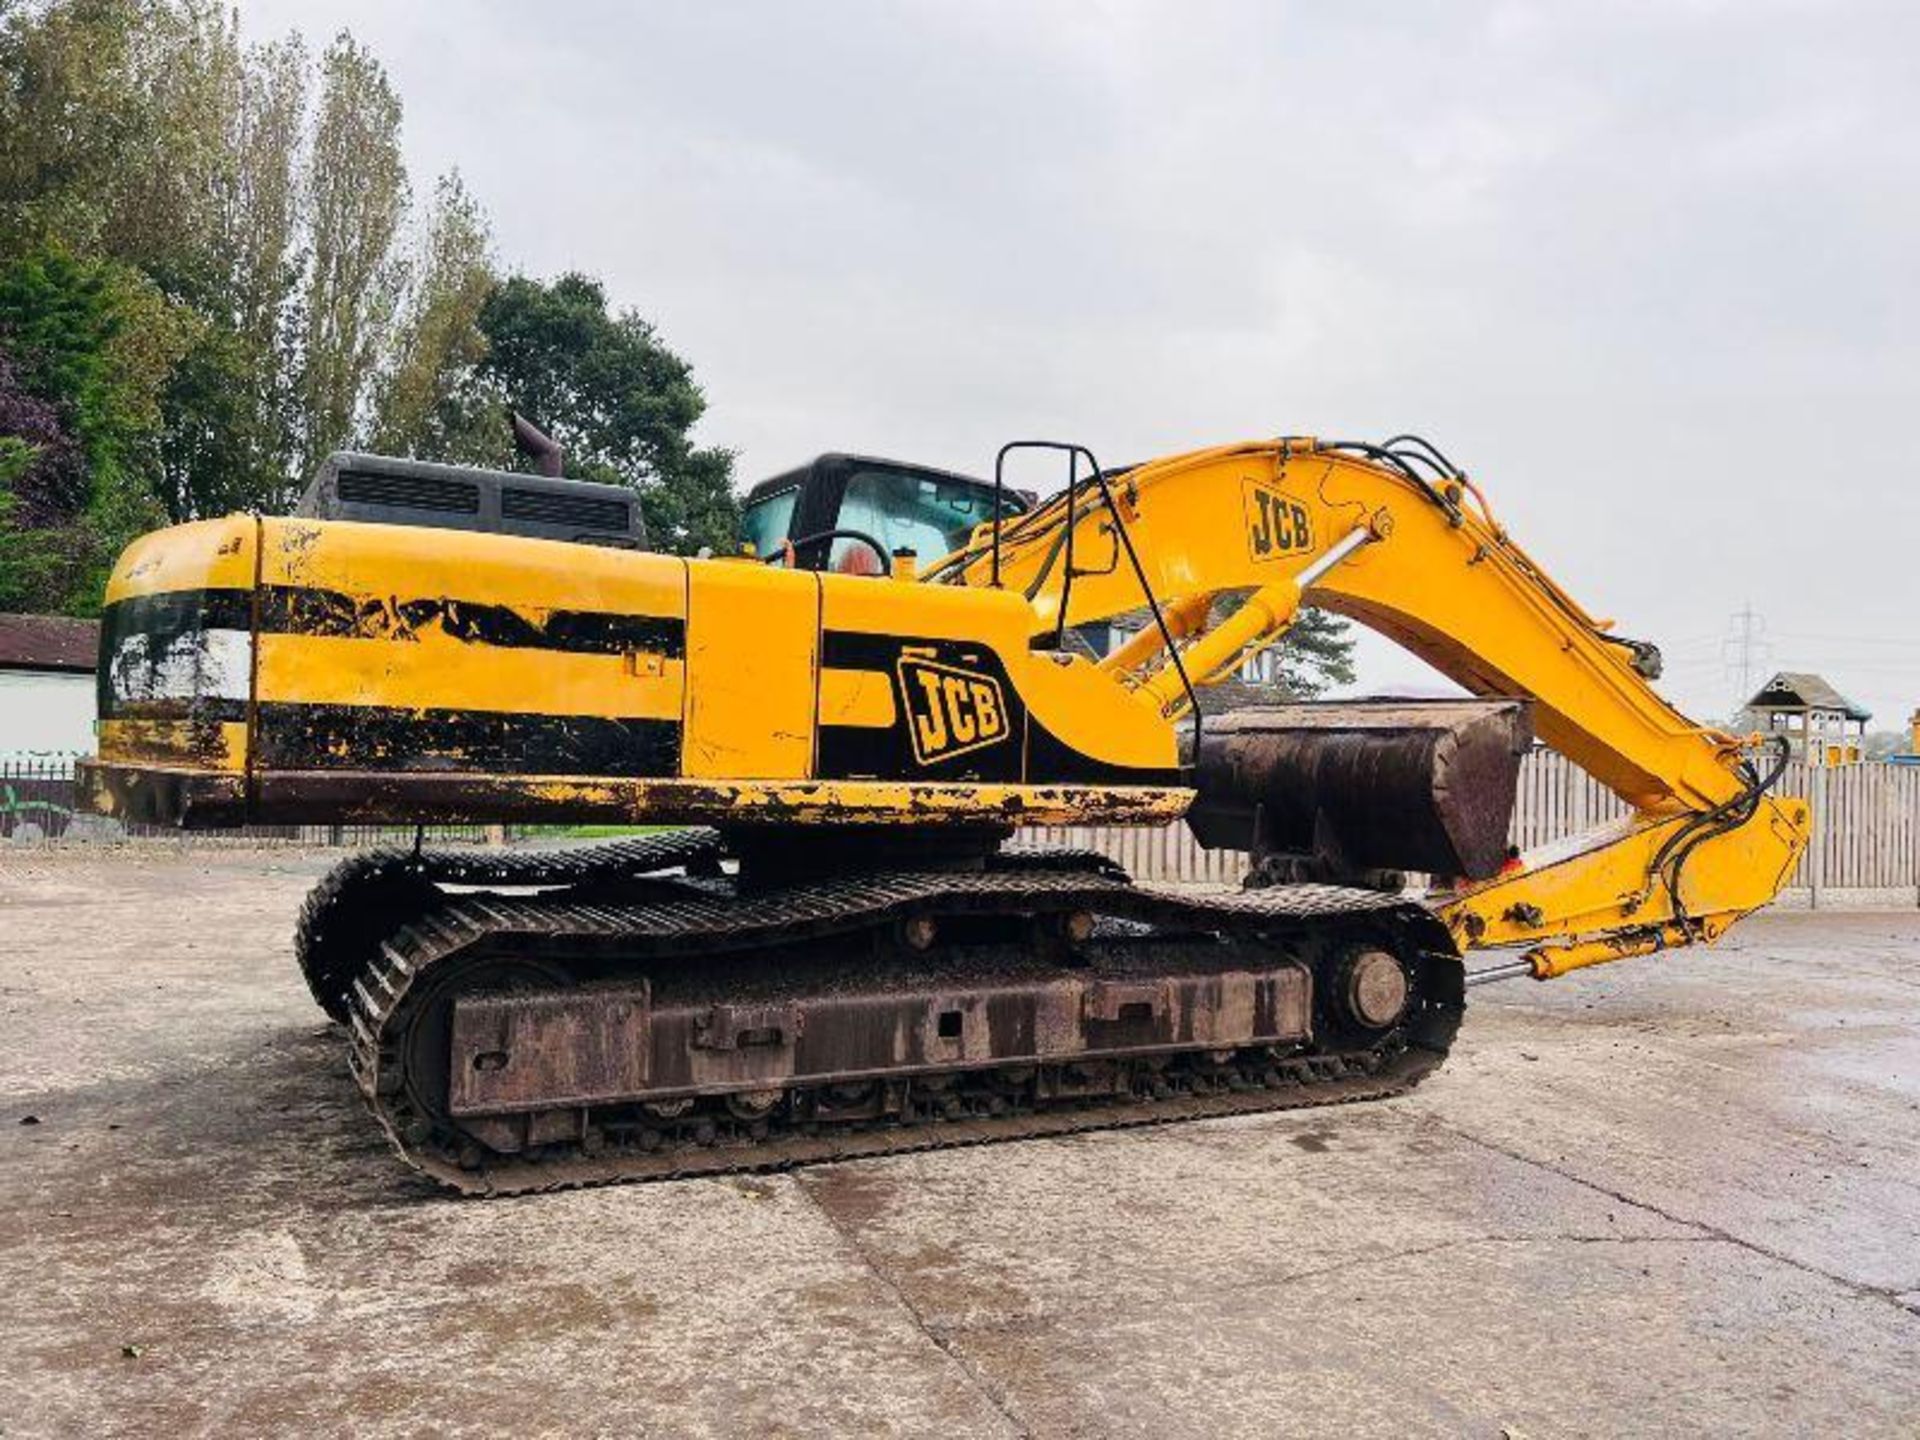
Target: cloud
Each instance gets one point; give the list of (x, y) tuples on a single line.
[(1647, 269)]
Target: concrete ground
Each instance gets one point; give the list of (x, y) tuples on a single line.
[(1682, 1195)]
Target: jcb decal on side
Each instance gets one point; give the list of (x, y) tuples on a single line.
[(1276, 525), (950, 711)]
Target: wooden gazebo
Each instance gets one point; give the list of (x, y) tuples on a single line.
[(1823, 726)]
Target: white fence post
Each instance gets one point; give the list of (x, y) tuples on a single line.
[(1818, 812)]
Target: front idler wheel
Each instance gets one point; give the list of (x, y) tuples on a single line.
[(1374, 989)]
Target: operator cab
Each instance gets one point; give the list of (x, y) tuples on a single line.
[(851, 513)]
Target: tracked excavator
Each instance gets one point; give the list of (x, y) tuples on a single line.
[(827, 948)]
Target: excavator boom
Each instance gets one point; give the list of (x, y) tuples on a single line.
[(1403, 543)]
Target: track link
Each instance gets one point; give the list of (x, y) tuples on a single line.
[(689, 923), (367, 896)]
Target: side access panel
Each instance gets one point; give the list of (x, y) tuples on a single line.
[(753, 634)]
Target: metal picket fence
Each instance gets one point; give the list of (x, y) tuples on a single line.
[(38, 805), (1866, 821)]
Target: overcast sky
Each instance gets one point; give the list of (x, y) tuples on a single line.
[(1650, 272)]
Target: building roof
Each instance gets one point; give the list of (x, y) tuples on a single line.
[(1803, 690), (1224, 695), (48, 642)]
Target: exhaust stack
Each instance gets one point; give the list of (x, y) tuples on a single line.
[(530, 440)]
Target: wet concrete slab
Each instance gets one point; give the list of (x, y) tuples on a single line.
[(1680, 1195)]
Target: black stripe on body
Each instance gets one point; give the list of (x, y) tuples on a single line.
[(1050, 761), (298, 610), (377, 737), (167, 620), (172, 613), (173, 624), (862, 752), (1032, 753), (204, 709)]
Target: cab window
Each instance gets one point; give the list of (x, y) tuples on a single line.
[(906, 511), (765, 523)]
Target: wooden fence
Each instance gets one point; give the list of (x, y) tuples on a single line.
[(1866, 841)]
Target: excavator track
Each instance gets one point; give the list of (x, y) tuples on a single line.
[(366, 896), (717, 953)]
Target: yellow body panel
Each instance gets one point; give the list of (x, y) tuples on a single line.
[(753, 638), (209, 745), (381, 563), (1071, 691), (423, 675), (206, 554), (454, 674)]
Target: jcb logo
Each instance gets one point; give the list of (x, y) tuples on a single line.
[(950, 711), (1276, 526)]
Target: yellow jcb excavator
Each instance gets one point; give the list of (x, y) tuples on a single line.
[(835, 954)]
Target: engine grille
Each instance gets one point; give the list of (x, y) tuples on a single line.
[(544, 508), (412, 492)]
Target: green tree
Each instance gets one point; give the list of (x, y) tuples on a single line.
[(114, 121), (42, 492), (69, 115), (163, 198), (92, 342), (618, 399), (222, 442), (432, 403), (1315, 654), (355, 199), (228, 409), (212, 275)]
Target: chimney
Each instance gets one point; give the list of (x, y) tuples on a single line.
[(529, 440)]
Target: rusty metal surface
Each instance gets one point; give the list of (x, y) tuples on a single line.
[(1376, 987), (768, 965), (533, 1052), (548, 458), (601, 1044), (161, 795), (367, 896), (195, 799), (1413, 785)]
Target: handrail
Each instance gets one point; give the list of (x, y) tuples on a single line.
[(1074, 453)]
